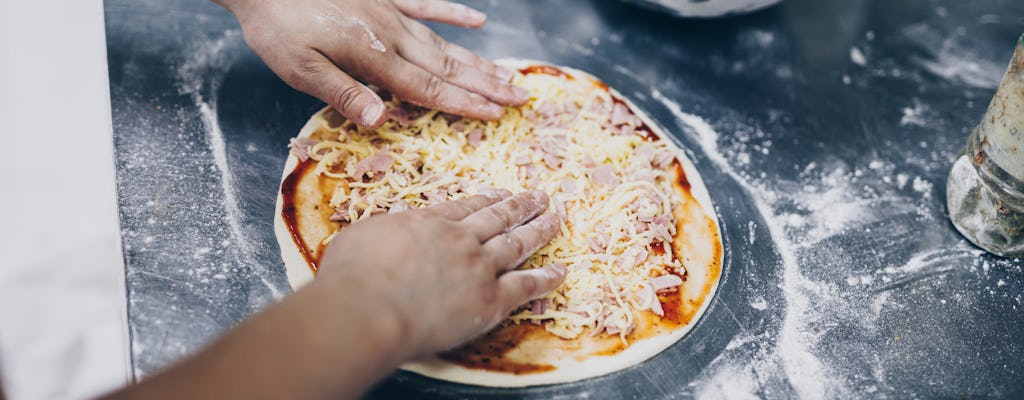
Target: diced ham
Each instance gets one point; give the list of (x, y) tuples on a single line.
[(406, 113), (379, 162), (399, 206), (435, 197), (641, 175), (572, 110), (662, 228), (399, 115), (621, 115), (552, 160), (546, 110), (666, 219), (299, 147), (615, 329), (663, 159), (451, 118), (523, 160), (597, 245), (568, 185), (553, 144), (458, 126), (340, 216), (656, 306), (539, 307), (604, 175), (663, 282), (475, 137), (588, 161), (625, 130), (597, 106), (644, 154)]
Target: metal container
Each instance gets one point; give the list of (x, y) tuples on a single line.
[(985, 191), (705, 8)]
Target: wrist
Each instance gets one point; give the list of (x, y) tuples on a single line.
[(360, 307)]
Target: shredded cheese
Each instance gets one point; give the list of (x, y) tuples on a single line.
[(613, 199)]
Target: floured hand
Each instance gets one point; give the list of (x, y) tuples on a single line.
[(446, 272), (325, 47)]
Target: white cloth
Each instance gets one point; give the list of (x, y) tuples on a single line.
[(62, 306)]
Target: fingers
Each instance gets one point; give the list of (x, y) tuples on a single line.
[(428, 36), (319, 77), (506, 215), (463, 54), (507, 251), (462, 208), (518, 287), (442, 11), (436, 61), (413, 83)]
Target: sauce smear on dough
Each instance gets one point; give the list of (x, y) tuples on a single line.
[(288, 210), (488, 351)]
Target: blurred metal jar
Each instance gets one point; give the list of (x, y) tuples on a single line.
[(705, 8), (985, 191)]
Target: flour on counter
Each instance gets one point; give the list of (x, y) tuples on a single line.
[(200, 77), (822, 290)]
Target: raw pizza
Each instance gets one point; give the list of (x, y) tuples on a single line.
[(639, 236)]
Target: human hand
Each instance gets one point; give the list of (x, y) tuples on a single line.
[(322, 47), (445, 272)]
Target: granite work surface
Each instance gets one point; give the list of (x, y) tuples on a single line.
[(824, 130)]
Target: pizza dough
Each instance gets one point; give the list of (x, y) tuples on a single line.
[(560, 360)]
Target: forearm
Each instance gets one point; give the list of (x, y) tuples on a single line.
[(320, 343)]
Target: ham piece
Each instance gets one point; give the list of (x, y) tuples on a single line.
[(662, 228), (299, 147), (621, 115), (664, 282), (406, 113), (604, 175), (340, 216), (379, 162), (475, 137), (399, 206)]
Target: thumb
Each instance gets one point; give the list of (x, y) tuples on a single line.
[(322, 79)]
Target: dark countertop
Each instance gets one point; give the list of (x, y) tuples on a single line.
[(824, 131)]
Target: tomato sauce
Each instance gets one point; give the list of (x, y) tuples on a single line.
[(288, 210)]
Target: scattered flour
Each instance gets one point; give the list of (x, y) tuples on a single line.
[(914, 115), (821, 292), (954, 57), (857, 57), (200, 77)]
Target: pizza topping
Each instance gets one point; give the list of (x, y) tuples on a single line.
[(300, 147), (399, 206), (604, 175), (380, 162), (612, 192), (621, 115), (475, 137)]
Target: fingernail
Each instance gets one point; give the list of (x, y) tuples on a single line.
[(505, 74), (494, 110), (475, 15), (371, 114), (521, 95)]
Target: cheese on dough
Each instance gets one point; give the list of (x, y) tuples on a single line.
[(609, 182)]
